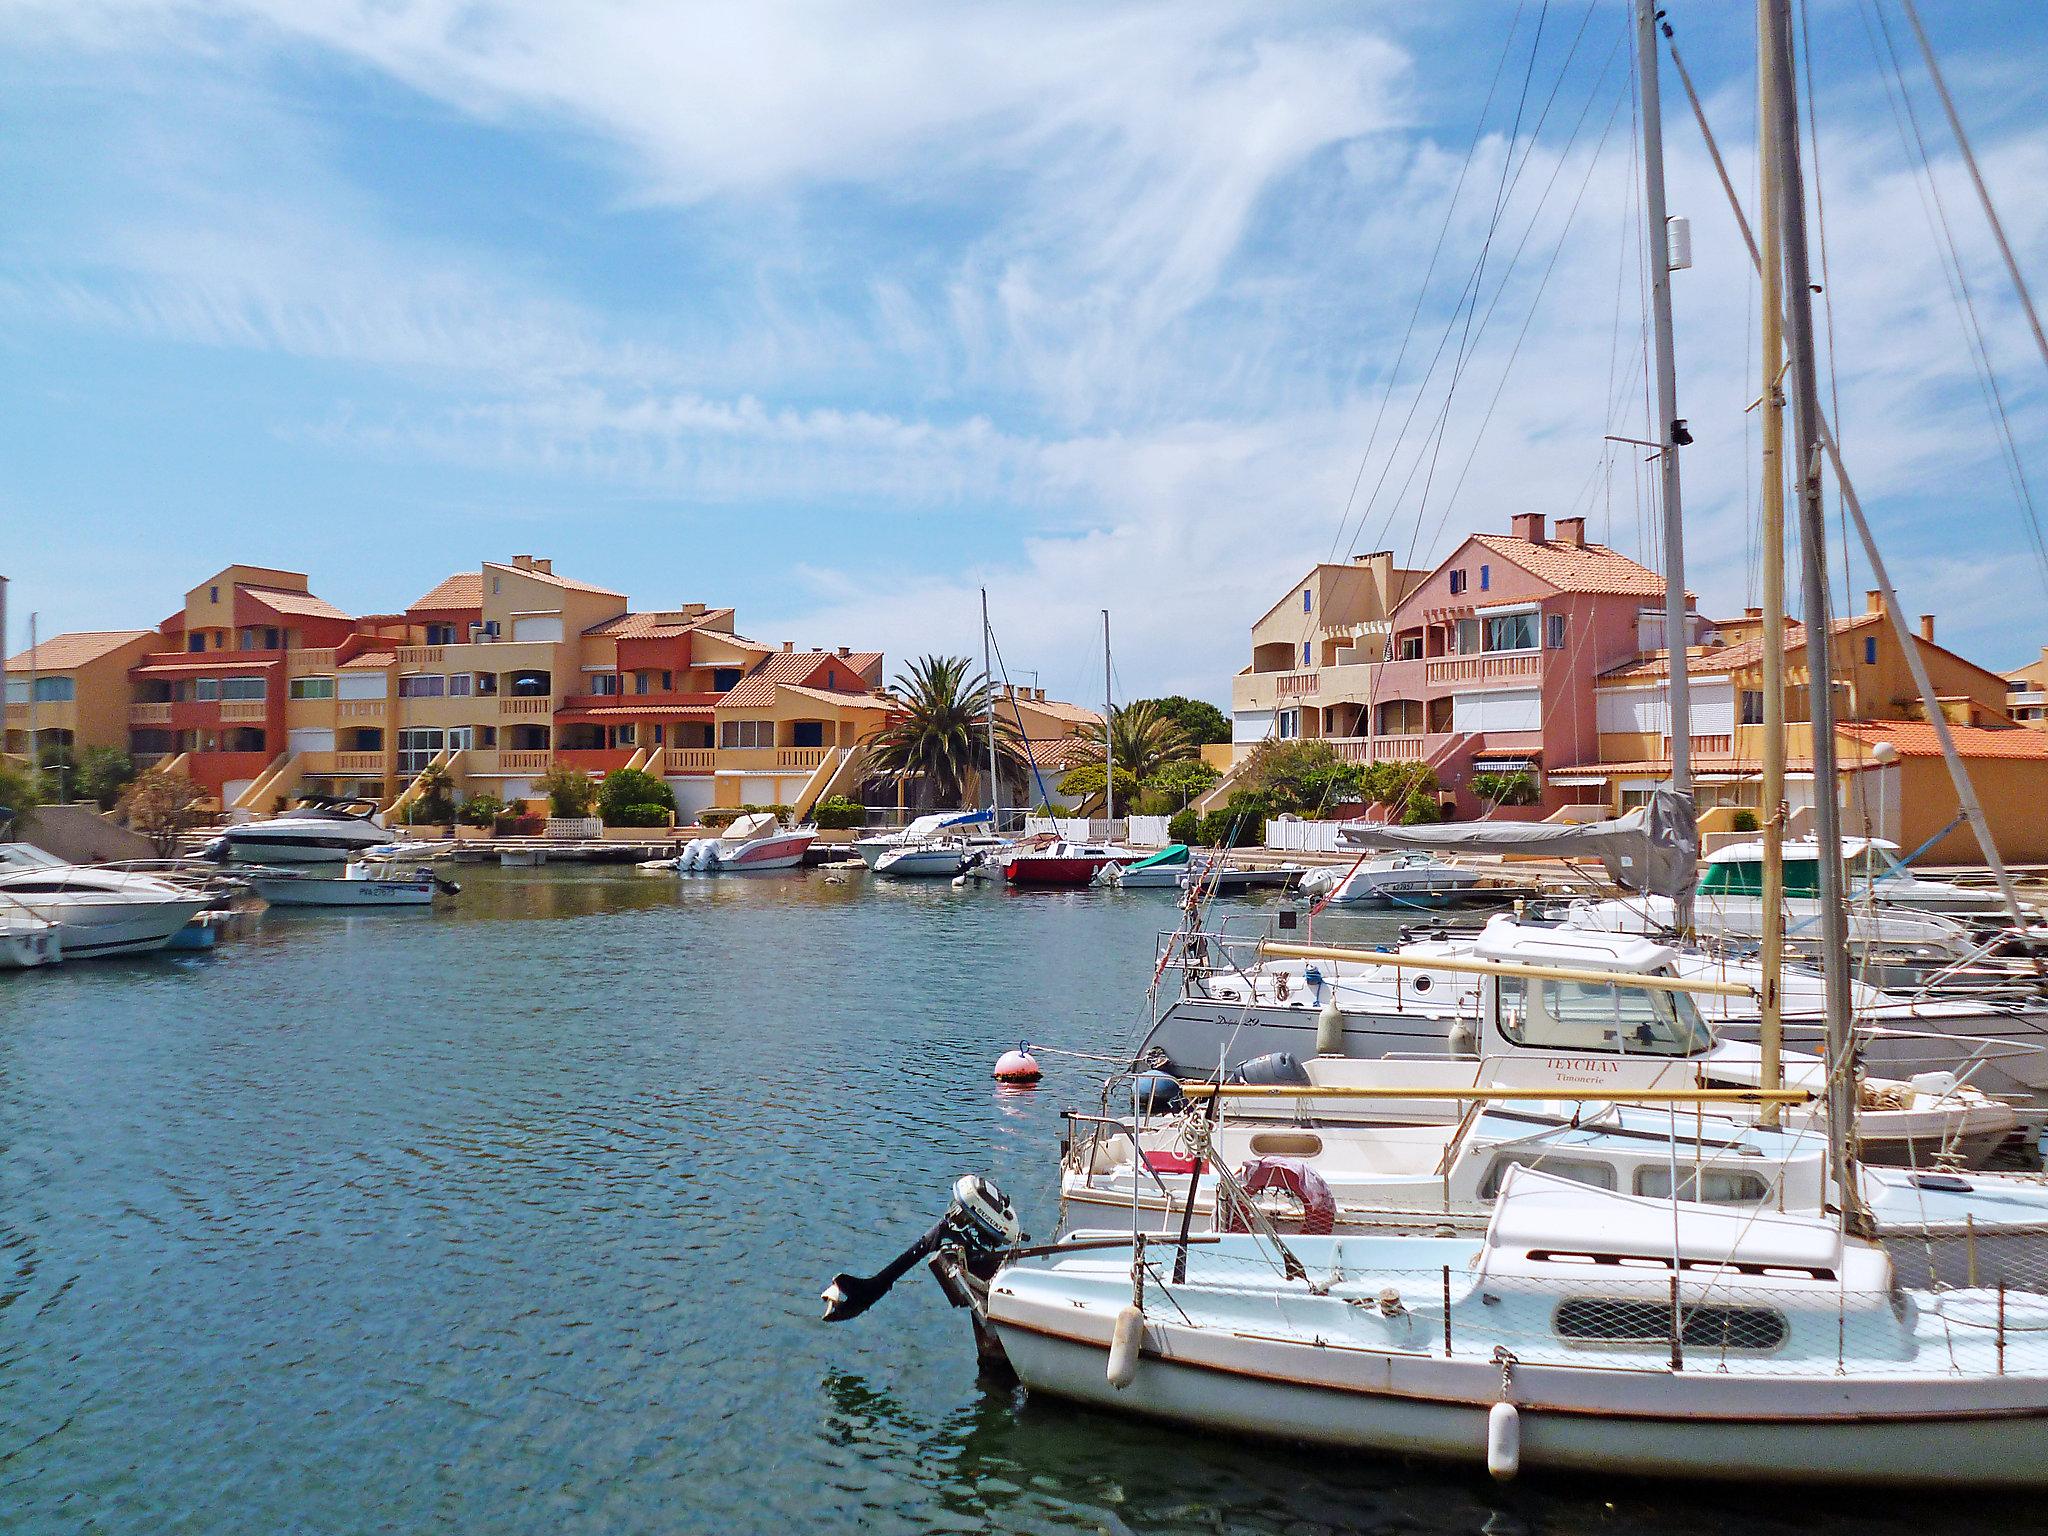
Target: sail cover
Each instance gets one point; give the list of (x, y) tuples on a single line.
[(1653, 848)]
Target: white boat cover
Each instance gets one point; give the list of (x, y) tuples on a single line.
[(1654, 848)]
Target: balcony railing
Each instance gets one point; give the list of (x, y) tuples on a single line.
[(1518, 666), (525, 762), (799, 757), (1377, 749), (420, 655), (319, 660), (529, 706), (359, 762), (232, 710), (689, 759), (361, 709), (148, 714), (1297, 684)]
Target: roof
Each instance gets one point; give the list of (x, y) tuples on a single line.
[(1590, 568), (60, 652), (301, 604), (367, 660), (1916, 738), (1732, 658), (862, 700), (655, 626), (789, 669), (636, 712), (1058, 709), (1064, 752), (465, 589), (547, 576)]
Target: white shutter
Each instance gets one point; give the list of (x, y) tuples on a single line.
[(548, 627)]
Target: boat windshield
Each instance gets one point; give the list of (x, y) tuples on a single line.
[(1745, 877), (1543, 1014), (1872, 862)]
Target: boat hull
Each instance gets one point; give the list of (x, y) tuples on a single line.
[(244, 847), (785, 851), (922, 863), (345, 893), (1059, 871), (91, 930)]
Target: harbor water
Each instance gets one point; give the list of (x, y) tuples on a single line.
[(513, 1218)]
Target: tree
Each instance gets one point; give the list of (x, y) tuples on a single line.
[(1199, 720), (569, 790), (939, 732), (626, 791), (434, 805), (1512, 788), (1085, 783), (163, 807), (60, 771), (1304, 778), (480, 811), (1181, 782), (1142, 740), (102, 774), (20, 793)]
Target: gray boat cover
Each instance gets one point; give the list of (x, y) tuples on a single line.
[(1654, 848)]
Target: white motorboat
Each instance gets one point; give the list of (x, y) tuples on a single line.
[(1874, 876), (1392, 880), (98, 910), (320, 830), (1585, 1331), (752, 843), (26, 939), (357, 886), (924, 829), (938, 858)]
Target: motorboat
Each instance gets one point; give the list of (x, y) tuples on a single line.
[(1375, 1015), (1065, 863), (1584, 1331), (924, 829), (1393, 880), (357, 886), (935, 858), (319, 830), (1875, 876), (26, 939), (754, 842), (1177, 867), (98, 910)]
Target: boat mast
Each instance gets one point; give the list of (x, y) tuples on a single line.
[(1770, 1018), (35, 756), (1670, 431), (988, 677), (1841, 1081), (1108, 738)]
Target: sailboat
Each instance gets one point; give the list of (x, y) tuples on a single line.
[(1069, 861)]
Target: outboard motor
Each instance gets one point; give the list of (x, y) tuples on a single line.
[(1278, 1070), (980, 1222)]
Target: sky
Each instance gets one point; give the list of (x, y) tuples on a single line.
[(838, 313)]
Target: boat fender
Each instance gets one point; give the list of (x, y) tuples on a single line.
[(1330, 1029), (1126, 1343), (1018, 1066), (1278, 1069), (1503, 1440), (1459, 1039), (1157, 1093)]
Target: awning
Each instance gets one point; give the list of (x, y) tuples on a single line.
[(1510, 763), (597, 712), (219, 666)]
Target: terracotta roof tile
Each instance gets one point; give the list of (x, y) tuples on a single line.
[(60, 652), (370, 660), (1064, 752), (1570, 568), (1916, 738), (655, 626), (1732, 658), (465, 589), (301, 604), (778, 667)]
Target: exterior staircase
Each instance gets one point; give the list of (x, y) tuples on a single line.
[(280, 778), (394, 812)]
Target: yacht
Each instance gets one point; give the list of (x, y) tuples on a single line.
[(97, 910), (319, 830)]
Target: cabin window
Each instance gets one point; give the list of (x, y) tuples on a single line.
[(1707, 1186), (312, 688), (1612, 1320), (1578, 1169), (1592, 1016)]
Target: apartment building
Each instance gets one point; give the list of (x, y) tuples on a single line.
[(2026, 692), (72, 690)]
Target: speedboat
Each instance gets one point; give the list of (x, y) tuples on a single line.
[(923, 830), (26, 939), (96, 910), (1065, 863), (753, 842), (1392, 880), (319, 830), (1584, 1331), (357, 886)]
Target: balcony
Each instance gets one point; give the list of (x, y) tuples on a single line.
[(143, 714), (525, 762), (1378, 749), (421, 655), (1507, 667), (689, 759), (526, 706), (359, 762), (594, 760), (243, 711), (1295, 685), (799, 757), (318, 660), (361, 709)]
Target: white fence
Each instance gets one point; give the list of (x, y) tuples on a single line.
[(1146, 831), (1303, 836), (575, 826), (1138, 831)]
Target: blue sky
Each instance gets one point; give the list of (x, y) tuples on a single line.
[(837, 313)]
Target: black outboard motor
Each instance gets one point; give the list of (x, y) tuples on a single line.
[(980, 1222)]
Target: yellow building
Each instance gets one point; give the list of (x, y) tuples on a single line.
[(73, 689), (792, 730), (2026, 692)]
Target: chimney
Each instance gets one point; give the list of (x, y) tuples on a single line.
[(789, 645), (846, 650), (693, 610), (1753, 613), (1572, 531), (1038, 694), (545, 567), (1527, 525), (1873, 601), (522, 562), (1927, 626)]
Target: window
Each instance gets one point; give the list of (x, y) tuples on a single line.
[(1578, 1170), (746, 733), (206, 689), (642, 682), (1870, 650), (497, 585), (807, 733), (1307, 656), (1468, 637), (366, 683), (1553, 626), (1485, 577), (1511, 632), (724, 679), (1752, 706), (1307, 601), (196, 642), (461, 738), (1593, 1016), (312, 688), (458, 685), (48, 690), (1457, 582), (213, 594), (417, 748), (242, 688), (1709, 1186), (1290, 724), (486, 683), (1410, 647), (606, 683), (421, 685), (1613, 1320), (668, 682), (440, 634)]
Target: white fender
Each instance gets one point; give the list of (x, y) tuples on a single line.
[(1503, 1440), (1125, 1344), (1330, 1027)]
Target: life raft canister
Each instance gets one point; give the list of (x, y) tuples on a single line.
[(1318, 1205)]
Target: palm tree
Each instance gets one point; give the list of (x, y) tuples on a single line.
[(1143, 740), (939, 732)]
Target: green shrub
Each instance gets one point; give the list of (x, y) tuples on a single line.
[(637, 816), (570, 792), (836, 813), (1239, 824), (480, 810), (1179, 783), (1516, 788), (1185, 826), (1745, 821), (103, 773), (628, 789)]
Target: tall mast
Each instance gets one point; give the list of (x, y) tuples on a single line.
[(1771, 1023), (1108, 737), (1827, 819), (35, 756), (988, 677), (1669, 431)]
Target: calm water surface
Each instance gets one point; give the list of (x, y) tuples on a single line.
[(513, 1219)]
